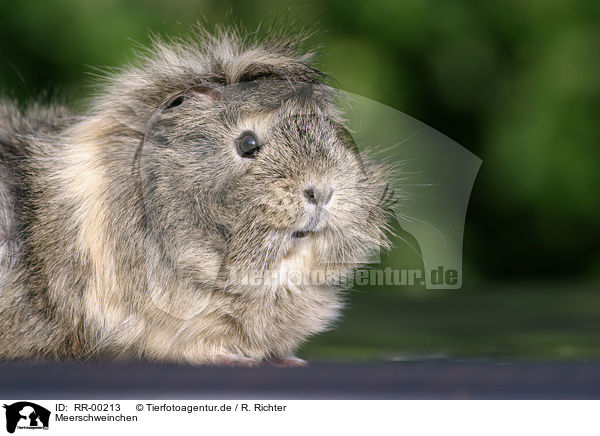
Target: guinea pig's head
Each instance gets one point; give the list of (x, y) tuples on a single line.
[(245, 165)]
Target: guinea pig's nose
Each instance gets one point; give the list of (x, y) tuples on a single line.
[(319, 196)]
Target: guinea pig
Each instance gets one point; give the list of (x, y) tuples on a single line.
[(167, 219)]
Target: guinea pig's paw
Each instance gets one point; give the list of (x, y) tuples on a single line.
[(231, 360), (289, 362)]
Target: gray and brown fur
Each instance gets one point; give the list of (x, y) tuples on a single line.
[(125, 229)]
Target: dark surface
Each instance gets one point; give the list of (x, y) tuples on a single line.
[(405, 380)]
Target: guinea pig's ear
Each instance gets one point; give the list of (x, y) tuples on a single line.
[(209, 91), (176, 101)]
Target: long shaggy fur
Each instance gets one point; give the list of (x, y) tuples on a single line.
[(136, 230)]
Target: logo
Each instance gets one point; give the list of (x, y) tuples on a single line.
[(26, 415)]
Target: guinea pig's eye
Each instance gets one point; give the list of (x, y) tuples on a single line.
[(248, 145)]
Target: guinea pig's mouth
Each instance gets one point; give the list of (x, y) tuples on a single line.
[(299, 234), (307, 231), (315, 223)]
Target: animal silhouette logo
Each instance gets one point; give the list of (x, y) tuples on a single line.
[(26, 415)]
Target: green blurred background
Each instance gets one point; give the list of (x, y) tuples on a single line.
[(517, 83)]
